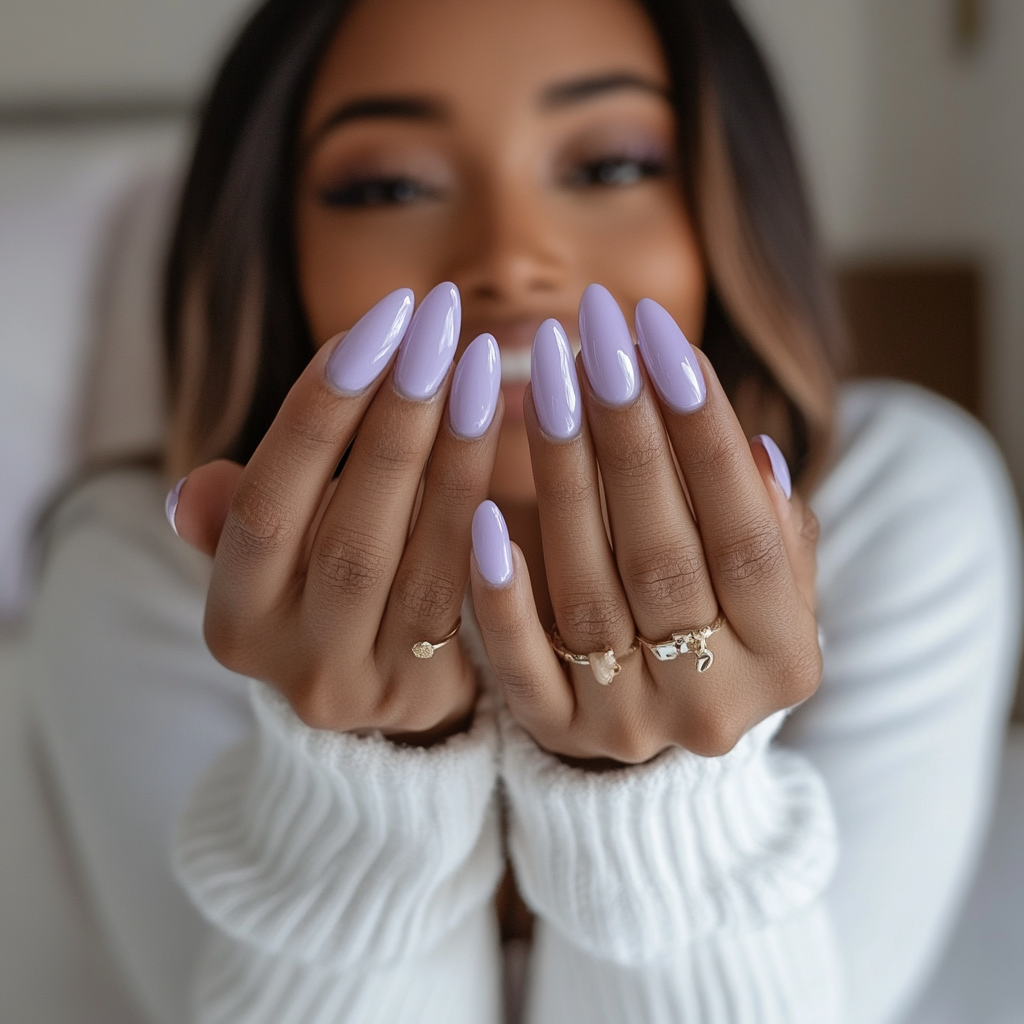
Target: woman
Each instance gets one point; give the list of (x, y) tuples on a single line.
[(341, 817)]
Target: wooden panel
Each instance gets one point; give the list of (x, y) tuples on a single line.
[(919, 322)]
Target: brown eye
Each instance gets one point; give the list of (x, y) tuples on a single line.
[(376, 192), (614, 171)]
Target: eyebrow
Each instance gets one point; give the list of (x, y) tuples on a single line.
[(420, 109), (580, 89), (373, 108)]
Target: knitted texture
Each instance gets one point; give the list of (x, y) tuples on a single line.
[(346, 850), (636, 863)]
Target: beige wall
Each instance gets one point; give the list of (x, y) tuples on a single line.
[(915, 147)]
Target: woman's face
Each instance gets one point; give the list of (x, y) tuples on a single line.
[(519, 148)]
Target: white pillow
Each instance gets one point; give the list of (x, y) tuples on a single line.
[(82, 229)]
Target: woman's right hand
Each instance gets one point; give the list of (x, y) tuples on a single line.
[(319, 588)]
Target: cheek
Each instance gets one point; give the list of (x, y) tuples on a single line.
[(347, 262)]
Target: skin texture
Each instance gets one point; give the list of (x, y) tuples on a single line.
[(521, 193)]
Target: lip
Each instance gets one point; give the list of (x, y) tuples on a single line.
[(515, 340)]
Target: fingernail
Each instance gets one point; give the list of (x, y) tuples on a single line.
[(475, 388), (171, 504), (556, 390), (607, 348), (364, 352), (429, 348), (491, 545), (669, 358), (780, 468)]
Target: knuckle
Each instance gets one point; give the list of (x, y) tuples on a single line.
[(715, 735), (353, 562), (392, 453), (565, 497), (591, 619), (259, 523), (668, 577), (632, 455), (427, 596), (632, 744), (756, 555)]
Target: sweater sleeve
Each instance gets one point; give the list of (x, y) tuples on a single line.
[(346, 878), (686, 889)]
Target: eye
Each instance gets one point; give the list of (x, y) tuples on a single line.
[(378, 191), (615, 171)]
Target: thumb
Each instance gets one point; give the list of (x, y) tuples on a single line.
[(197, 507)]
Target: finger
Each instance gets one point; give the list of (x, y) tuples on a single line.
[(590, 605), (798, 523), (535, 688), (364, 530), (198, 506), (429, 587), (279, 494), (657, 546), (743, 543)]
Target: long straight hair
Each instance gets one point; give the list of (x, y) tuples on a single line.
[(236, 332)]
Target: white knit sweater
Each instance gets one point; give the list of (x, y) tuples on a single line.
[(343, 879)]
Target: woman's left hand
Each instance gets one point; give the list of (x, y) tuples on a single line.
[(746, 551)]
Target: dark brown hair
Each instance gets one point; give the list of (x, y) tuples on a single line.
[(236, 331)]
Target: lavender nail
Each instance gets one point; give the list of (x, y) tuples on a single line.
[(669, 358), (607, 348), (780, 468), (429, 347), (556, 390), (364, 352), (475, 388), (491, 545), (171, 504)]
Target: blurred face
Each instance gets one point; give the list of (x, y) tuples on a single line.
[(519, 148)]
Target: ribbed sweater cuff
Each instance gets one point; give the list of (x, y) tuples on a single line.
[(326, 846), (629, 865)]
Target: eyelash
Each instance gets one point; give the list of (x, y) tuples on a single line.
[(605, 172), (615, 172)]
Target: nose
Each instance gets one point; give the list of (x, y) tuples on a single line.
[(512, 253)]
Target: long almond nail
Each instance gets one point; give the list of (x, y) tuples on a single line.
[(608, 349), (475, 388), (429, 346), (491, 544), (363, 353), (556, 389), (669, 358)]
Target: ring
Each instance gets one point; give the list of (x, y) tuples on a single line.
[(603, 664), (425, 649), (696, 642)]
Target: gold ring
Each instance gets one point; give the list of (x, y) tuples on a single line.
[(425, 649), (696, 642), (604, 664)]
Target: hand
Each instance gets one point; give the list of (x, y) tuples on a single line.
[(321, 587), (731, 541)]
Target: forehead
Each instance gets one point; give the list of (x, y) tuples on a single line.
[(487, 54)]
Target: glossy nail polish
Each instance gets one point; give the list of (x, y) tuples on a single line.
[(780, 468), (171, 503), (429, 345), (608, 350), (475, 387), (364, 352), (556, 389), (669, 358), (491, 544)]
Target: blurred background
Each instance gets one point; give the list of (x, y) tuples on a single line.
[(910, 118)]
